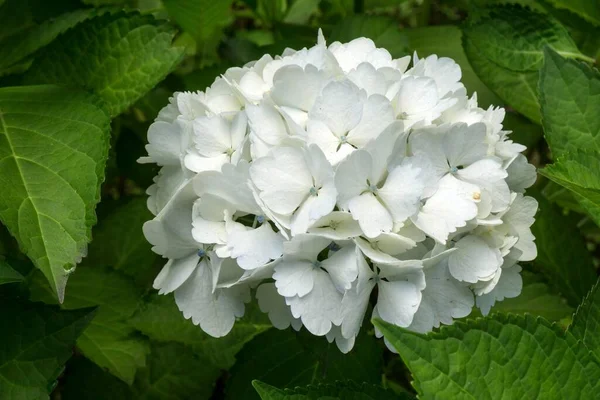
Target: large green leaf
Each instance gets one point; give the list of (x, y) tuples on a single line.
[(536, 298), (85, 380), (22, 44), (301, 10), (120, 243), (586, 322), (35, 342), (562, 254), (119, 56), (500, 357), (586, 9), (579, 171), (204, 20), (8, 274), (174, 372), (570, 100), (445, 41), (110, 341), (505, 47), (517, 89), (382, 30), (160, 319), (286, 359), (513, 37), (347, 390), (53, 149)]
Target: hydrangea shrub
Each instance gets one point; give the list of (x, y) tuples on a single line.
[(309, 181)]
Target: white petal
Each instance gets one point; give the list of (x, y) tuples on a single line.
[(376, 255), (294, 277), (175, 273), (509, 286), (342, 267), (297, 87), (448, 209), (339, 106), (343, 344), (338, 225), (474, 260), (266, 123), (214, 312), (230, 184), (164, 146), (320, 308), (444, 299), (376, 116), (170, 232), (371, 215), (416, 95), (351, 177), (208, 223), (521, 174), (255, 247), (283, 179), (402, 191), (465, 144), (272, 303), (397, 302), (356, 300), (212, 135)]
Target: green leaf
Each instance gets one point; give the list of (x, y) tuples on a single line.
[(174, 372), (110, 341), (536, 298), (347, 390), (161, 320), (445, 41), (35, 342), (586, 321), (8, 275), (570, 100), (53, 150), (514, 37), (202, 19), (17, 47), (586, 9), (289, 359), (561, 196), (504, 45), (120, 243), (301, 11), (579, 171), (119, 56), (382, 30), (85, 380), (500, 357), (562, 254), (518, 89)]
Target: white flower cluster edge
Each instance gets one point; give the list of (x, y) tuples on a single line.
[(311, 178)]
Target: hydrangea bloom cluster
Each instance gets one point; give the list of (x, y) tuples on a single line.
[(328, 177)]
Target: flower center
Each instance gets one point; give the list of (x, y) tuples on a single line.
[(313, 191), (260, 219), (317, 264), (201, 253), (453, 170)]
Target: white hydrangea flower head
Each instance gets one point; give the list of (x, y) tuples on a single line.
[(333, 182)]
